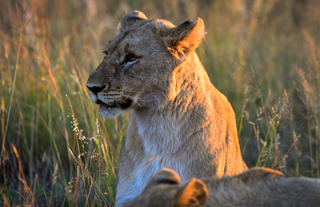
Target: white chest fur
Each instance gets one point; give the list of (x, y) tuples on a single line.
[(146, 169), (161, 139), (161, 136)]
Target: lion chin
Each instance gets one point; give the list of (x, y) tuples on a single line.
[(109, 112), (115, 108)]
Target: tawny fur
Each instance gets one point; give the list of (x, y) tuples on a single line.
[(179, 119), (259, 187)]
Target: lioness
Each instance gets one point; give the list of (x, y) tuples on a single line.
[(253, 188), (179, 119)]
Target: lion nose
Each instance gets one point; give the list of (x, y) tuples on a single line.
[(95, 88)]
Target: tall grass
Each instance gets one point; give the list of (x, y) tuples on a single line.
[(57, 151)]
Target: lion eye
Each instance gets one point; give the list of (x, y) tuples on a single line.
[(130, 57), (129, 60)]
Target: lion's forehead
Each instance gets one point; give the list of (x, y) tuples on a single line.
[(145, 33), (114, 43)]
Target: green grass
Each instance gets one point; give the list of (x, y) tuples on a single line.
[(55, 148)]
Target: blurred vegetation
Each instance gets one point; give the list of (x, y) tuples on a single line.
[(57, 151)]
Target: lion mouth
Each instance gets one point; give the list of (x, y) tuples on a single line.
[(123, 103)]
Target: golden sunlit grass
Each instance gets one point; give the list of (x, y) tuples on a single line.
[(57, 151)]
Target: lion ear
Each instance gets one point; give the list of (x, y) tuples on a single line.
[(131, 18), (167, 176), (185, 37), (194, 193), (164, 176)]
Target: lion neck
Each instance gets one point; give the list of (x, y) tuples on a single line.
[(189, 82)]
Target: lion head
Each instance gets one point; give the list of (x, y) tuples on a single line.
[(138, 63)]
